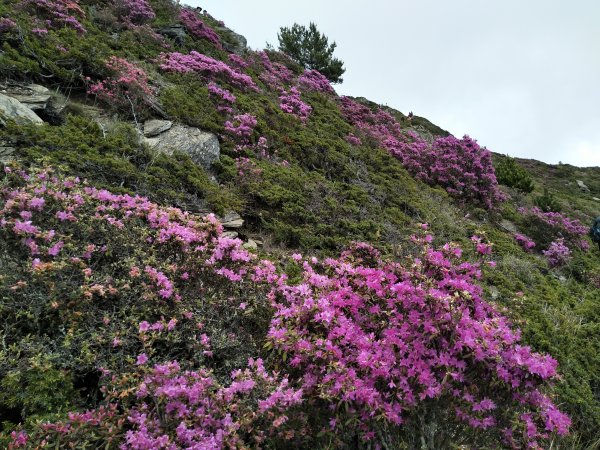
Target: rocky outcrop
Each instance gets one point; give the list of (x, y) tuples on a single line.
[(582, 186), (6, 152), (232, 220), (235, 43), (175, 32), (34, 96), (46, 104), (11, 108), (202, 146), (155, 127)]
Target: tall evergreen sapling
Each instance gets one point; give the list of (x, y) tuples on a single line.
[(311, 49)]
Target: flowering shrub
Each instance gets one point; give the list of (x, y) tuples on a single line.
[(524, 242), (313, 80), (124, 274), (353, 140), (59, 13), (205, 66), (460, 166), (197, 28), (548, 226), (7, 25), (238, 61), (129, 85), (558, 254), (275, 75), (135, 12), (372, 341), (376, 339), (175, 408), (224, 98), (247, 170), (241, 128), (291, 103)]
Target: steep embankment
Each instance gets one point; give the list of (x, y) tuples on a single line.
[(138, 309)]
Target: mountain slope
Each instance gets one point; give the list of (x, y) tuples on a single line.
[(105, 282)]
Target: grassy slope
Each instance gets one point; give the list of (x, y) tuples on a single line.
[(330, 194)]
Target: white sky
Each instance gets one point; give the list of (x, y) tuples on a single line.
[(520, 76)]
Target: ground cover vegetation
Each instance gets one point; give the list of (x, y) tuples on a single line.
[(414, 290)]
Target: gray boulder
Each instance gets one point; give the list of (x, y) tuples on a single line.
[(202, 146), (582, 186), (175, 32), (11, 108), (236, 43), (6, 153), (232, 220), (34, 96), (155, 127)]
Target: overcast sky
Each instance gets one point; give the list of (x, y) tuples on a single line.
[(520, 76)]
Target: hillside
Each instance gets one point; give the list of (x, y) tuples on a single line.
[(204, 246)]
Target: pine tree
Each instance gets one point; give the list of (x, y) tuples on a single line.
[(311, 49)]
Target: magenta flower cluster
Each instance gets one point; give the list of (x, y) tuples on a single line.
[(225, 99), (189, 409), (7, 25), (205, 66), (128, 85), (558, 253), (524, 242), (291, 103), (241, 128), (571, 230), (135, 12), (353, 140), (238, 61), (197, 28), (381, 338), (460, 166), (313, 80), (58, 13), (370, 339), (275, 75)]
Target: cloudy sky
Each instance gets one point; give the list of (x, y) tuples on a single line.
[(520, 76)]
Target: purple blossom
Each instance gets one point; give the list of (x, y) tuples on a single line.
[(205, 66), (291, 103), (197, 28), (313, 80), (558, 254), (7, 25)]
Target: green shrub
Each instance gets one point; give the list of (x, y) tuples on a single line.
[(511, 174), (547, 202), (114, 159)]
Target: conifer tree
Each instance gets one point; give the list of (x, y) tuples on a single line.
[(310, 48)]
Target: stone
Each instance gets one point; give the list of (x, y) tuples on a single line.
[(11, 108), (582, 186), (230, 234), (234, 224), (232, 220), (34, 96), (155, 127), (201, 146), (6, 153), (494, 292), (508, 226), (230, 216), (236, 43), (175, 32), (250, 245)]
